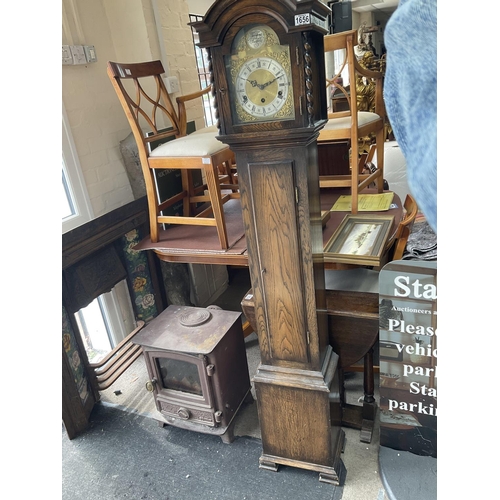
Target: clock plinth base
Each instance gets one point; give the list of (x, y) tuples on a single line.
[(334, 479), (266, 462), (330, 475), (299, 427)]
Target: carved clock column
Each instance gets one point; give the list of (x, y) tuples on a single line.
[(268, 75)]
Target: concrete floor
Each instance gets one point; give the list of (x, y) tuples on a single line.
[(125, 454)]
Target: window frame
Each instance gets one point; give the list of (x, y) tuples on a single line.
[(75, 182)]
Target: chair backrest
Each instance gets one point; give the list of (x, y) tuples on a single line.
[(145, 100), (345, 42), (405, 227), (363, 91)]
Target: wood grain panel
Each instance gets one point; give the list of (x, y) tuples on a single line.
[(297, 424), (280, 283)]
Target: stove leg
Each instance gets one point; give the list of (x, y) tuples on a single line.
[(228, 436), (248, 398)]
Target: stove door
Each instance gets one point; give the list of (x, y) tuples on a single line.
[(182, 386)]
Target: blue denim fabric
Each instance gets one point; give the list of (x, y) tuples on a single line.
[(410, 95)]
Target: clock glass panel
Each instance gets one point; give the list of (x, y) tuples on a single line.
[(259, 75)]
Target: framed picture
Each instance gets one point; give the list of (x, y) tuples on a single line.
[(360, 239)]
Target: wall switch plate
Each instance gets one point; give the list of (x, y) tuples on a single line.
[(67, 57), (78, 54), (172, 84), (90, 54)]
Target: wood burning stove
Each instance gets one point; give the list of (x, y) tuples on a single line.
[(198, 368)]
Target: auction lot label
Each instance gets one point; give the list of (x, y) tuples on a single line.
[(408, 356)]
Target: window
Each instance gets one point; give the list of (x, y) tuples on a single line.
[(203, 73), (76, 209), (106, 321)]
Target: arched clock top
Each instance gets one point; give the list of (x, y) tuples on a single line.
[(292, 15), (267, 64)]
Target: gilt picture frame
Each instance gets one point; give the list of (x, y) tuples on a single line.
[(360, 239)]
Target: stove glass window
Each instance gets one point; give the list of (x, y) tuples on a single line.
[(179, 375)]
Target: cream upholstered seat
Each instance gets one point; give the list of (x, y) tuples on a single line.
[(154, 121), (352, 124), (206, 144), (365, 118)]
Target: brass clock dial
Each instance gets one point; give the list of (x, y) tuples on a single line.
[(259, 75), (262, 86)]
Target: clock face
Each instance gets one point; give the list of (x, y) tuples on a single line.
[(259, 76), (262, 86)]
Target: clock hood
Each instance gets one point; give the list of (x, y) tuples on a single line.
[(224, 13)]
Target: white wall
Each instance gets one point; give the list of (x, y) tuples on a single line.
[(199, 7), (124, 31), (93, 110)]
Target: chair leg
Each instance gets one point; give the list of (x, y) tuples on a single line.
[(187, 186), (152, 205), (371, 153), (354, 175), (212, 176), (380, 159), (368, 377)]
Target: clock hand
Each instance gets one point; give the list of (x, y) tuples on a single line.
[(258, 85), (269, 83), (255, 84)]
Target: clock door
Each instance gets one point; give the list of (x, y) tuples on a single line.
[(277, 287)]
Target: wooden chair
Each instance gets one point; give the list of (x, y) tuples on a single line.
[(154, 120), (404, 228), (353, 124)]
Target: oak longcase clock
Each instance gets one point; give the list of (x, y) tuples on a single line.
[(268, 74)]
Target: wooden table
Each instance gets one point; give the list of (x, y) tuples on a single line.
[(328, 198), (353, 315), (200, 244)]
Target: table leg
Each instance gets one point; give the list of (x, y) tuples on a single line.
[(369, 405)]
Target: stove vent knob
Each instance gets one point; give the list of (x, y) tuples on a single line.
[(184, 413)]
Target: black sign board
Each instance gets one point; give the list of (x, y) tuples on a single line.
[(408, 357)]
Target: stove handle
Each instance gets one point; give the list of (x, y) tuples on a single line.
[(151, 385)]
